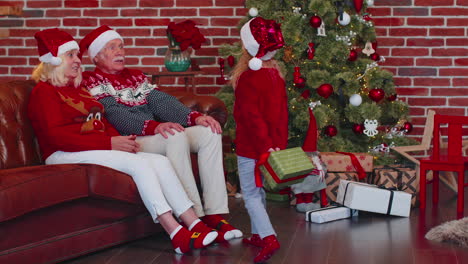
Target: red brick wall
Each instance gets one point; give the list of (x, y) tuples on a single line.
[(424, 41)]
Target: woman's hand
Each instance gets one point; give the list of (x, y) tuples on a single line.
[(125, 143), (209, 121), (168, 127), (275, 149)]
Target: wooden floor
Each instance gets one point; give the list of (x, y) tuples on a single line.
[(368, 238)]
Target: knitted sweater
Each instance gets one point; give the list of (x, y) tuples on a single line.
[(68, 119), (133, 105), (260, 112)]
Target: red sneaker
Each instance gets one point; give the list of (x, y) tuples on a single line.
[(271, 245), (202, 228), (220, 224), (254, 240), (185, 240)]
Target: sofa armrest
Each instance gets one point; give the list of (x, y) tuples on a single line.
[(205, 104)]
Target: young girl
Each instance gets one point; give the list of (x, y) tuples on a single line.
[(261, 115)]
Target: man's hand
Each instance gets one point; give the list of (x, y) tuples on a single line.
[(273, 149), (209, 121), (168, 127), (125, 143)]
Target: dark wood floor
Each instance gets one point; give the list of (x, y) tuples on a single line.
[(369, 238)]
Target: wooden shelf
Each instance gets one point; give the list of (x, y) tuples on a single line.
[(189, 78)]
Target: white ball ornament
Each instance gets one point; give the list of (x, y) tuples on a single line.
[(344, 19), (253, 12), (355, 100), (370, 2)]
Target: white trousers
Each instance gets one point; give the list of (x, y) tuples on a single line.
[(153, 175), (177, 149)]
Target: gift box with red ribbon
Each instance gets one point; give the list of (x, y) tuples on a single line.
[(348, 162), (282, 168)]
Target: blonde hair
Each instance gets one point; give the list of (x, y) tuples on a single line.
[(54, 75), (243, 65)]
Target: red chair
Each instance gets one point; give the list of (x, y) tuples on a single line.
[(450, 159)]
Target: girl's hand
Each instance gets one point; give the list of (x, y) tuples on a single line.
[(125, 143), (275, 149)]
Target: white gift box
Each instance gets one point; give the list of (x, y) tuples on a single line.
[(366, 197), (329, 214)]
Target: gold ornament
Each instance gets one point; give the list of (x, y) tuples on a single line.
[(288, 50)]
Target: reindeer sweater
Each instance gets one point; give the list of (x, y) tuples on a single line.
[(133, 105), (68, 119)]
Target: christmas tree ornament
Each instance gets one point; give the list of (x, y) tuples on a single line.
[(253, 12), (221, 80), (358, 5), (288, 53), (300, 83), (376, 94), (358, 129), (315, 21), (375, 57), (321, 30), (311, 51), (310, 141), (366, 17), (296, 74), (306, 94), (353, 55), (370, 3), (344, 19), (392, 97), (325, 90), (231, 61), (407, 127), (355, 100), (368, 50), (330, 130), (370, 126)]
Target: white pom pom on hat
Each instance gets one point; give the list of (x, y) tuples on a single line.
[(255, 64)]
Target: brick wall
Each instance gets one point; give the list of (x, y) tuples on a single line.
[(424, 41)]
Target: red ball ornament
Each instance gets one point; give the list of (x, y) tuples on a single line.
[(352, 55), (367, 17), (325, 90), (376, 95), (407, 127), (231, 61), (315, 21), (392, 97), (358, 129), (300, 83), (375, 56), (330, 131)]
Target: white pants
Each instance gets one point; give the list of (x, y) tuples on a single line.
[(153, 175), (177, 149)]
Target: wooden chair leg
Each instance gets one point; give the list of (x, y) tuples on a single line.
[(461, 193), (422, 187), (435, 187)]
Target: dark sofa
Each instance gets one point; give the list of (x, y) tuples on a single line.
[(49, 213)]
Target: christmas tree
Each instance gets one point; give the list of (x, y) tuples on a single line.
[(331, 65)]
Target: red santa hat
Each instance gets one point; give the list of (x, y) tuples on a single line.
[(51, 43), (97, 39), (261, 39)]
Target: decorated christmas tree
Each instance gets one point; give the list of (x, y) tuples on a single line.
[(331, 65)]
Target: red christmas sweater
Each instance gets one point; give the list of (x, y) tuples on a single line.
[(68, 119), (260, 112)]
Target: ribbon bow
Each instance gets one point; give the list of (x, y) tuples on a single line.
[(360, 170)]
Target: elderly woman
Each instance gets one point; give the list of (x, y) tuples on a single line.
[(71, 128)]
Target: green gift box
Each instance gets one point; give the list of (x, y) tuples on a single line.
[(284, 168)]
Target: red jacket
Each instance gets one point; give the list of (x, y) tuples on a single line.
[(68, 119), (260, 112)]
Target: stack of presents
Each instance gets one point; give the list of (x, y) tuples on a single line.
[(349, 182)]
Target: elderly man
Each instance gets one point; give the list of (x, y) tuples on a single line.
[(162, 124)]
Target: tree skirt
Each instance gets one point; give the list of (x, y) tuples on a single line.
[(453, 232)]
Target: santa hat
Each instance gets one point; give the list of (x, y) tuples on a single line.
[(52, 43), (310, 142), (97, 39), (261, 39)]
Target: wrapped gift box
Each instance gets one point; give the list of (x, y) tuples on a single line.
[(399, 177), (337, 162), (366, 197), (284, 168), (332, 180), (280, 196), (329, 214)]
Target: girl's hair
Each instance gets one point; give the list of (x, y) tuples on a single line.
[(54, 75), (243, 65)]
